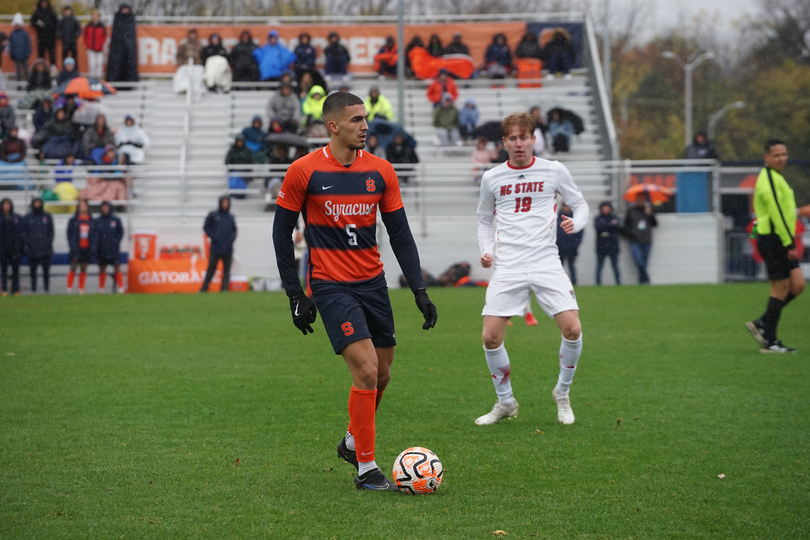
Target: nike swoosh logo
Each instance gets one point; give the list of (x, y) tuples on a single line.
[(296, 308), (365, 454), (326, 187)]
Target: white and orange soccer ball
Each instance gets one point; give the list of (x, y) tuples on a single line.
[(418, 470)]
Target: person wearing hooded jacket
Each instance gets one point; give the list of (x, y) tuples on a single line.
[(285, 106), (68, 31), (132, 141), (19, 47), (220, 227), (241, 59), (11, 246), (82, 240), (109, 232), (122, 64), (305, 54), (95, 35), (337, 56), (38, 238), (498, 58), (377, 105), (274, 59), (558, 55), (312, 107), (45, 23)]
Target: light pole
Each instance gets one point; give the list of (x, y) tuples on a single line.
[(715, 117), (689, 66)]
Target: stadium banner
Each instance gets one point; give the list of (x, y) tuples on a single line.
[(170, 275), (157, 44)]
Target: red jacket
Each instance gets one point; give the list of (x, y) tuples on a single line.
[(95, 36), (435, 90)]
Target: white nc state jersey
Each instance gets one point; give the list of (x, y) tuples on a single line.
[(523, 200)]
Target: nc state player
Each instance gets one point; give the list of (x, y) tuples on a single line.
[(339, 189), (521, 195)]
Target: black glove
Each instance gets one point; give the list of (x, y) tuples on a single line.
[(427, 308), (303, 312)]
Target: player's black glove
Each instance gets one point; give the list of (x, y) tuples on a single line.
[(303, 312), (427, 308)]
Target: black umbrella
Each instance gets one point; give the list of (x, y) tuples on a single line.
[(489, 130), (565, 114), (386, 131)]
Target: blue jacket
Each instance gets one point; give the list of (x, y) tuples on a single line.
[(567, 244), (468, 117), (273, 60), (305, 57), (38, 233), (19, 45), (220, 226), (109, 233), (11, 235), (607, 234), (73, 235), (499, 54)]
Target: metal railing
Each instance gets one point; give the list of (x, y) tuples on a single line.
[(607, 130)]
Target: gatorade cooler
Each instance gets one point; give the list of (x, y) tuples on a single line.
[(239, 284), (144, 243)]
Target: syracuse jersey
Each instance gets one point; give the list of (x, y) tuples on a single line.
[(523, 200), (339, 205)]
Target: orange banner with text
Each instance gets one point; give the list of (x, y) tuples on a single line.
[(157, 44), (170, 275)]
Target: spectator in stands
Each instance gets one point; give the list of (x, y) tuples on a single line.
[(273, 59), (482, 159), (214, 48), (132, 141), (68, 72), (399, 151), (68, 31), (220, 227), (377, 105), (537, 114), (498, 58), (189, 77), (441, 85), (97, 137), (239, 153), (373, 146), (435, 47), (608, 227), (3, 40), (81, 234), (386, 58), (244, 65), (45, 23), (312, 107), (43, 113), (638, 225), (109, 232), (445, 120), (64, 171), (40, 78), (528, 46), (561, 130), (38, 237), (214, 57), (57, 136), (539, 147), (501, 155), (701, 148), (8, 117), (95, 35), (254, 135), (416, 41), (305, 54), (285, 106), (337, 56), (558, 54), (456, 46), (468, 119), (13, 149), (568, 244), (70, 103), (11, 246), (275, 127), (19, 47), (122, 64)]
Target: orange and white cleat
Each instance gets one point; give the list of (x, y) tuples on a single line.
[(530, 319)]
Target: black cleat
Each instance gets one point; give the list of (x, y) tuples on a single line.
[(375, 480), (757, 331), (343, 452), (776, 347)]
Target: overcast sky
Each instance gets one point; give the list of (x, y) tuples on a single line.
[(666, 12)]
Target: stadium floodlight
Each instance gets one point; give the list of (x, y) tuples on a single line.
[(688, 67), (715, 117)]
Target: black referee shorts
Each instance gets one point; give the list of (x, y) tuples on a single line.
[(775, 256)]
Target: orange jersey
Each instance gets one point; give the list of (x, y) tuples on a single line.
[(340, 205)]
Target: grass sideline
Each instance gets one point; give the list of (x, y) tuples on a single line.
[(124, 416)]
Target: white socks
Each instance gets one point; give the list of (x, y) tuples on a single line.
[(350, 441), (569, 354), (364, 466), (498, 362)]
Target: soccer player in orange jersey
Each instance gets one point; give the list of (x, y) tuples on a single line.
[(339, 189)]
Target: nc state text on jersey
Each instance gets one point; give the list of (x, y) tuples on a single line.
[(522, 187)]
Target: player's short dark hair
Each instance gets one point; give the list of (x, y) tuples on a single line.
[(338, 101), (523, 120), (770, 143)]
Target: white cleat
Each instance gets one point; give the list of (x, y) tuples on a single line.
[(498, 411), (564, 413)]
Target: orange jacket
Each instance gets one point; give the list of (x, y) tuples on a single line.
[(435, 90)]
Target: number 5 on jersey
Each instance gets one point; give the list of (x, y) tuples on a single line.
[(352, 235)]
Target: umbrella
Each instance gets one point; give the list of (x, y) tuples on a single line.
[(290, 139), (655, 193), (386, 131), (489, 130), (89, 110), (85, 88), (565, 114)]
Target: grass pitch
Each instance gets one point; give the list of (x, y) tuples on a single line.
[(211, 416)]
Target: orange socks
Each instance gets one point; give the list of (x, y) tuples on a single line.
[(102, 280), (82, 280), (362, 405), (376, 406), (71, 278), (119, 280)]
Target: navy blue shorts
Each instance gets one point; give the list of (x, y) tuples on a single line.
[(354, 312), (83, 258)]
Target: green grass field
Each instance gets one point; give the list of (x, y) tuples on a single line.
[(212, 416)]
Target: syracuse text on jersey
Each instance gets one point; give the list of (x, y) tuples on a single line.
[(352, 209)]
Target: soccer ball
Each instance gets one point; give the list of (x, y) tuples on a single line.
[(418, 470)]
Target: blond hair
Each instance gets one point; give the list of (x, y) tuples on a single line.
[(521, 120)]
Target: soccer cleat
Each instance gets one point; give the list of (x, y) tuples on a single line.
[(343, 452), (776, 347), (757, 331), (375, 480), (564, 413), (531, 320), (498, 411)]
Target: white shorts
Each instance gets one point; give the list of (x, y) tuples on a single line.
[(508, 294)]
